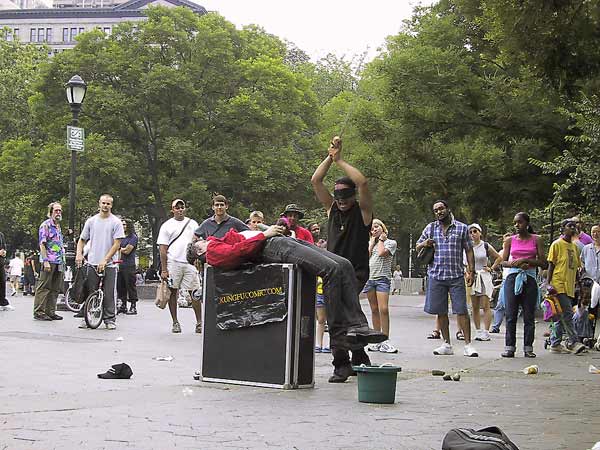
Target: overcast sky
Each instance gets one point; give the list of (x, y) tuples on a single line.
[(321, 26)]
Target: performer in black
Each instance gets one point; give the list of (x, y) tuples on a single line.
[(348, 236)]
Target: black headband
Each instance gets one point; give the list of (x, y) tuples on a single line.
[(339, 194)]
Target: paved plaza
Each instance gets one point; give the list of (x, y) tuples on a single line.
[(50, 397)]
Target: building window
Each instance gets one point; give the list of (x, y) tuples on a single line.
[(41, 34), (65, 35), (32, 35), (48, 34), (73, 34), (107, 30), (81, 30)]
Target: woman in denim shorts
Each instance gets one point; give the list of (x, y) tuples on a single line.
[(377, 287)]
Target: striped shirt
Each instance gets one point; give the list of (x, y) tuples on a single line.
[(381, 266), (447, 260)]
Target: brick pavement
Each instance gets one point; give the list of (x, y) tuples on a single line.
[(50, 397)]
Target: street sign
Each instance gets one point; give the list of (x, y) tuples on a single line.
[(75, 138)]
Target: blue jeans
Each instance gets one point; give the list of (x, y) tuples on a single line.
[(339, 283), (500, 310), (565, 324), (527, 299), (378, 285)]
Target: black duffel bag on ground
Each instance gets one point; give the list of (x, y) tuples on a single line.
[(489, 438)]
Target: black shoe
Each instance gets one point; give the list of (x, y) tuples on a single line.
[(54, 316), (529, 354), (365, 335), (508, 354), (122, 310), (341, 374), (360, 357), (132, 311), (495, 330), (41, 316)]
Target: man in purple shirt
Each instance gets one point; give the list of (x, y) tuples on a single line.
[(52, 256), (449, 238)]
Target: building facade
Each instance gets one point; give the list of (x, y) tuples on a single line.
[(58, 27)]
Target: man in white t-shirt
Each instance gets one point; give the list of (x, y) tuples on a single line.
[(174, 236), (104, 232)]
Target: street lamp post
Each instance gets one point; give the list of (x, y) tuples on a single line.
[(76, 89)]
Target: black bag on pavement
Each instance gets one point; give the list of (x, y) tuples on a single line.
[(489, 438)]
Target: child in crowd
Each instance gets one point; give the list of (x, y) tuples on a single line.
[(321, 319)]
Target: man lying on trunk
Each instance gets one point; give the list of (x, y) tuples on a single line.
[(348, 326)]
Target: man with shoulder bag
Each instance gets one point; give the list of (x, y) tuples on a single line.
[(173, 239)]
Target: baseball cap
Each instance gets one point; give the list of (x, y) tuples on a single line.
[(177, 200), (120, 371)]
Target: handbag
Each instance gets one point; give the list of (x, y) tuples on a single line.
[(163, 293), (489, 438), (425, 254)]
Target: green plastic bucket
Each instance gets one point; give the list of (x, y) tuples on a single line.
[(377, 384)]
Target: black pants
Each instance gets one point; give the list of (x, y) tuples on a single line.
[(527, 299), (339, 282), (126, 288), (3, 300)]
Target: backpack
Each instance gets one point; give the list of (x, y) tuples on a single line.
[(489, 438)]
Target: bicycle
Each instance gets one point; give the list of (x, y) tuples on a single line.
[(94, 304)]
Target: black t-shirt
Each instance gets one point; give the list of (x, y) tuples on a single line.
[(348, 236)]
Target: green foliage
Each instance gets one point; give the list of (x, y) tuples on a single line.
[(191, 106), (575, 170), (18, 66)]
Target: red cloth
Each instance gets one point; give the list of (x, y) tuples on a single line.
[(233, 249), (303, 234)]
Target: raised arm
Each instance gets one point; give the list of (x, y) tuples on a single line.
[(364, 193), (323, 195)]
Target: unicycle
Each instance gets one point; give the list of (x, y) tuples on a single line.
[(93, 305)]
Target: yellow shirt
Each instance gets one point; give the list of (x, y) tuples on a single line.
[(565, 257), (319, 285)]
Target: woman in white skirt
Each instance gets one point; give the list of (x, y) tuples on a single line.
[(482, 287), (396, 280)]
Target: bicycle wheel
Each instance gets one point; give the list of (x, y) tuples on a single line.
[(92, 309), (70, 302)]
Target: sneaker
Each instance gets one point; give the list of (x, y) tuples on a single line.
[(386, 347), (373, 347), (559, 349), (8, 308), (478, 334), (198, 328), (176, 328), (111, 326), (576, 348), (444, 349), (318, 349), (484, 335), (495, 330), (470, 351), (83, 324), (325, 350), (132, 311)]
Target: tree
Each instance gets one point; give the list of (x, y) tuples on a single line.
[(193, 106)]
